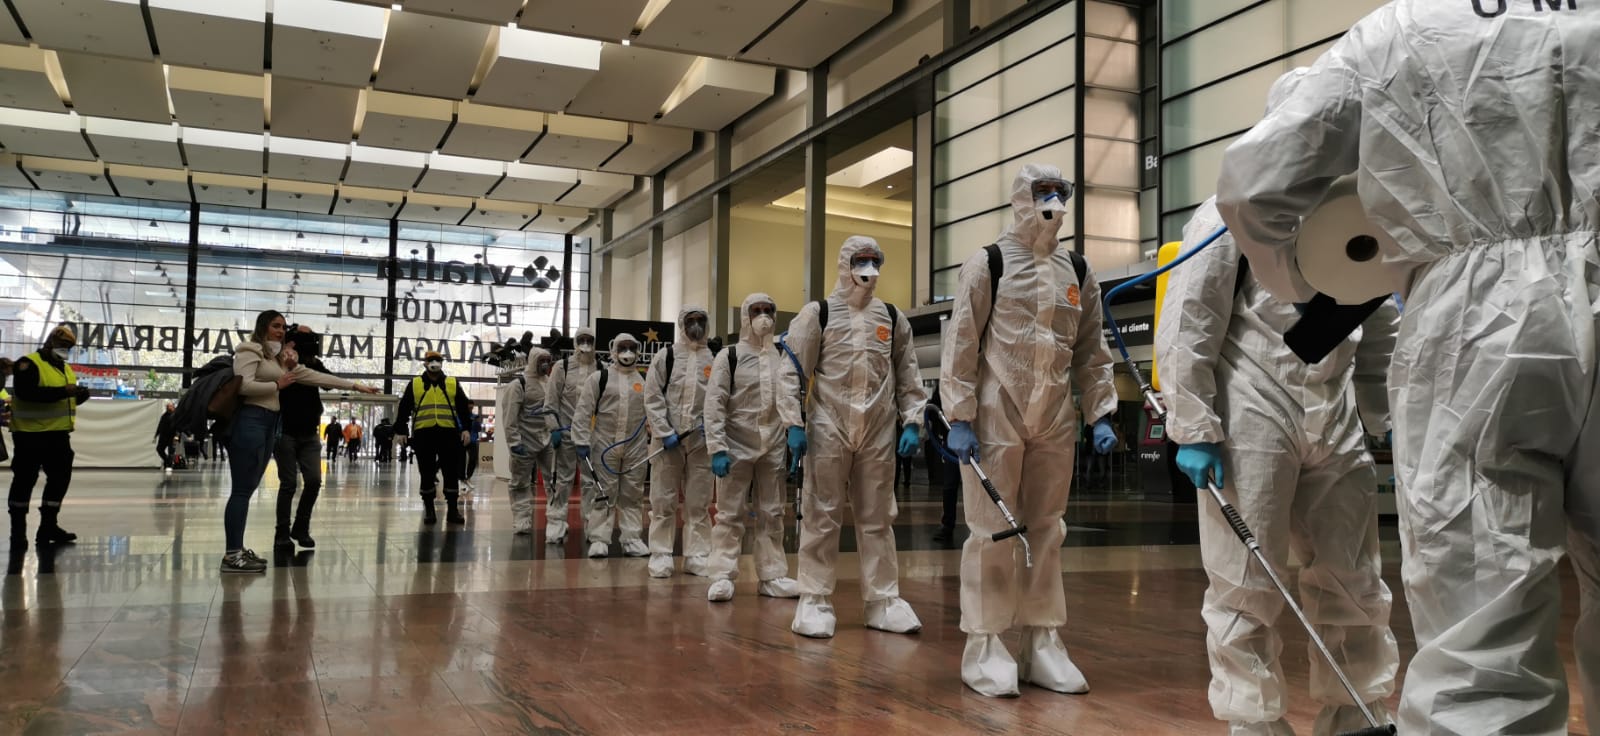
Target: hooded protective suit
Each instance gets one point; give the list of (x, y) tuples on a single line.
[(527, 420), (1299, 474), (742, 420), (565, 386), (620, 413), (1009, 368), (1471, 126), (863, 374), (674, 405)]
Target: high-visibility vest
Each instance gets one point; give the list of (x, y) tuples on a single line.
[(436, 406), (53, 416)]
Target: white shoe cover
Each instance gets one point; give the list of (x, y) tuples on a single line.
[(697, 566), (893, 615), (521, 529), (661, 566), (988, 668), (1337, 719), (635, 548), (721, 590), (1044, 662), (1279, 727), (779, 588), (598, 549), (814, 617), (555, 533)]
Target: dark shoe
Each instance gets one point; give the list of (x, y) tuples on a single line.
[(303, 538), (238, 562), (429, 516), (280, 538), (54, 535), (944, 535), (454, 516)]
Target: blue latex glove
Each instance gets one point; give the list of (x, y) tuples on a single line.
[(721, 464), (555, 438), (797, 446), (909, 439), (1198, 460), (963, 442), (1105, 438), (583, 451), (670, 441), (519, 451)]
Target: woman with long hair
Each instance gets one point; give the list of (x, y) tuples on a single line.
[(265, 366)]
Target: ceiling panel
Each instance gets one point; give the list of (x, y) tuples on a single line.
[(406, 122), (578, 142), (25, 79), (379, 204), (326, 41), (311, 110), (817, 30), (218, 100), (429, 55), (137, 144), (384, 168), (224, 152), (652, 147), (9, 32), (538, 71), (528, 183), (632, 83), (598, 189), (10, 175), (303, 160), (499, 133), (61, 175), (110, 27), (501, 215), (55, 135), (116, 88), (720, 28), (224, 189), (228, 36), (299, 196), (435, 208), (463, 177), (498, 12), (554, 219), (144, 182), (716, 92), (610, 20)]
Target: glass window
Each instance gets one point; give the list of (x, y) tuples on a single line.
[(1111, 64), (991, 187), (1116, 21), (1111, 163), (953, 243), (1022, 131), (1111, 113), (1104, 255), (1178, 18), (1190, 177), (1110, 214), (1231, 106), (1038, 77), (1172, 223), (1055, 28)]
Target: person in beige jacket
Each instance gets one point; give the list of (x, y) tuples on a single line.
[(265, 365)]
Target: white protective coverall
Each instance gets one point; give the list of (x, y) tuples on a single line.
[(564, 387), (526, 419), (1472, 129), (864, 376), (674, 405), (1298, 471), (742, 420), (620, 412), (1013, 382)]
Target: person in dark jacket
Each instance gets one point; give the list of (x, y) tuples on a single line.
[(44, 413), (442, 432), (948, 475), (333, 435), (166, 434), (298, 451), (383, 439)]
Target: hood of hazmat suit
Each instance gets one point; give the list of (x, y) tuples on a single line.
[(742, 402), (674, 403), (567, 379), (1485, 180), (522, 410), (621, 409)]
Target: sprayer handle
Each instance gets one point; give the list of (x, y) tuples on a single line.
[(1009, 533)]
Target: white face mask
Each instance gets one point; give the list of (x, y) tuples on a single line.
[(585, 348), (694, 331), (866, 274), (435, 366), (61, 353), (627, 357), (274, 347), (762, 325)]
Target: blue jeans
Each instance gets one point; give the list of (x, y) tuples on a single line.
[(255, 434)]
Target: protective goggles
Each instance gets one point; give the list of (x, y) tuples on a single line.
[(762, 310), (626, 347), (1045, 189), (866, 259)]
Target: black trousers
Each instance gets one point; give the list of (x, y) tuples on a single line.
[(385, 451), (50, 452), (333, 450), (438, 449), (164, 449), (471, 460)]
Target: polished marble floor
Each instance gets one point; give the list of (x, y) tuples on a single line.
[(394, 628)]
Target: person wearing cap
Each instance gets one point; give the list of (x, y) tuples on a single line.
[(44, 412), (443, 418)]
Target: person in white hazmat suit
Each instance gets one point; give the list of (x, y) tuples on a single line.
[(674, 404), (565, 386), (745, 436), (863, 375), (1472, 128), (616, 410), (1013, 351), (1285, 441), (527, 420)]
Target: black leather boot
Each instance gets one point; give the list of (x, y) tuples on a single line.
[(455, 516), (429, 515), (49, 531), (19, 531)]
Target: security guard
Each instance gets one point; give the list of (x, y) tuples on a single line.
[(44, 412), (444, 415)]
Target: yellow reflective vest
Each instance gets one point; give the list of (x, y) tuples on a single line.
[(54, 416), (436, 406)]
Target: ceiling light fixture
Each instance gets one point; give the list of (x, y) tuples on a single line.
[(891, 186), (299, 236), (627, 42), (224, 229), (363, 241), (224, 271), (395, 7), (153, 223)]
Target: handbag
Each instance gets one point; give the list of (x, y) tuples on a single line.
[(225, 400)]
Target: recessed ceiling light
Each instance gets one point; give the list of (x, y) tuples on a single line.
[(395, 7), (891, 186), (627, 42)]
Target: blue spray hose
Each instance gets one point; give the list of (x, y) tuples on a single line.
[(607, 451), (1143, 278)]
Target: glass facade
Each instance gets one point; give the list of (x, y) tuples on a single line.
[(146, 298)]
